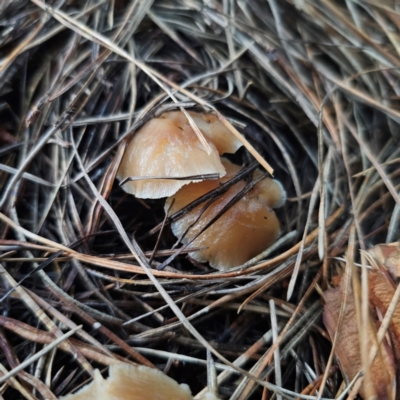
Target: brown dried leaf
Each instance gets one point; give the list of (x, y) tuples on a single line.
[(348, 344), (381, 292), (388, 256)]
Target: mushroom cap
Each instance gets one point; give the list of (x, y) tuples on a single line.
[(271, 191), (160, 148), (242, 232), (211, 127), (131, 382)]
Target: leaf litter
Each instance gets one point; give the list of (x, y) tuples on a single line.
[(92, 276)]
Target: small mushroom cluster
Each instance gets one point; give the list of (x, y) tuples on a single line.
[(166, 151)]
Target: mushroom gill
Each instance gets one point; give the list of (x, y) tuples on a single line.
[(247, 228)]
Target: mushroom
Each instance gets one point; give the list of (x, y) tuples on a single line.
[(134, 382), (247, 228), (167, 147), (131, 382), (210, 126)]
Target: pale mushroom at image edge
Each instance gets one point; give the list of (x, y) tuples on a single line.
[(168, 147), (134, 382), (242, 232)]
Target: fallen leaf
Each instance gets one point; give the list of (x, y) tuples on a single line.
[(388, 256), (381, 291), (348, 350)]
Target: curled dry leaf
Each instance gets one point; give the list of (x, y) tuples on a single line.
[(248, 227), (388, 256), (167, 147), (381, 292), (348, 350)]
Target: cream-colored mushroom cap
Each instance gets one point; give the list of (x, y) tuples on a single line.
[(162, 149), (210, 126), (245, 230), (129, 382)]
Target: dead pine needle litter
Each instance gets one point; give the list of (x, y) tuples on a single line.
[(199, 196)]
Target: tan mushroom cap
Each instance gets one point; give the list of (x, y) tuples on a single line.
[(245, 230), (129, 382), (270, 191), (162, 149), (210, 126)]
